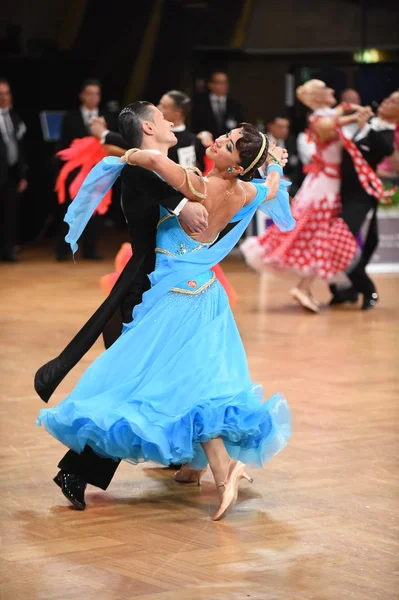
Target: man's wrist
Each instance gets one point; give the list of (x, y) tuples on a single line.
[(179, 207), (103, 136)]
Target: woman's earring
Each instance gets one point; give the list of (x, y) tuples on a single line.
[(230, 170)]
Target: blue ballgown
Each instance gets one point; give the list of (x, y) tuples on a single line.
[(178, 374)]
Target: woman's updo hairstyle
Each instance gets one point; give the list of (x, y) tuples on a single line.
[(249, 146), (305, 92)]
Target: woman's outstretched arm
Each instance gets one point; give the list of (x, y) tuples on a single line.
[(190, 184)]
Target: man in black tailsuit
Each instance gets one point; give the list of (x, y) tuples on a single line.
[(142, 125), (375, 142), (76, 125), (12, 171)]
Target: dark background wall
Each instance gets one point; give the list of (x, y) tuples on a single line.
[(141, 49)]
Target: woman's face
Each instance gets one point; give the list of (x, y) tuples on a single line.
[(325, 96), (224, 152)]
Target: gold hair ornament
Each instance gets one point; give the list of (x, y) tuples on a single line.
[(261, 151)]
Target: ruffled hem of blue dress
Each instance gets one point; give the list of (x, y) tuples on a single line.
[(253, 431)]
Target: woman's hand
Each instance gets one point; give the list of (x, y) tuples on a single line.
[(277, 153), (363, 115)]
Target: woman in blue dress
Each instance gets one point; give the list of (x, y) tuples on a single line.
[(175, 387)]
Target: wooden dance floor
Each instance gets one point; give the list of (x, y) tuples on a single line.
[(320, 522)]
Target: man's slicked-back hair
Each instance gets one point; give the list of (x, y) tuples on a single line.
[(130, 120), (181, 100)]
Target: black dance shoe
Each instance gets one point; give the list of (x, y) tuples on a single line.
[(369, 301), (342, 295), (73, 487)]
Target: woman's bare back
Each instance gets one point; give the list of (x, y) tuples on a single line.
[(221, 206)]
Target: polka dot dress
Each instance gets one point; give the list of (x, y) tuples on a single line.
[(321, 243)]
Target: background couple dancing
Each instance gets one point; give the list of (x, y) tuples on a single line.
[(334, 200), (174, 387)]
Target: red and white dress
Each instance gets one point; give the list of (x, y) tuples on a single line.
[(320, 244)]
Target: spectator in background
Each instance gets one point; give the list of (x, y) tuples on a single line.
[(278, 130), (216, 111), (12, 171), (351, 96), (188, 152), (76, 124)]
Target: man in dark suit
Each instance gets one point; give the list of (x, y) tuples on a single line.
[(375, 142), (12, 171), (142, 125), (76, 124), (189, 151), (216, 111), (278, 130)]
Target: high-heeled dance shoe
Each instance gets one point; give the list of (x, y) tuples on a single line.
[(187, 475), (304, 300), (235, 473)]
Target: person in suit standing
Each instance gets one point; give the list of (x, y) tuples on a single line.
[(12, 171), (216, 111), (189, 151), (278, 130), (375, 141), (143, 192), (76, 124)]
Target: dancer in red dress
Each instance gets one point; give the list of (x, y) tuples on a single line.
[(321, 245)]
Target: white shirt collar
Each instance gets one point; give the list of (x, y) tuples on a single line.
[(376, 124), (221, 99), (85, 111), (379, 124), (179, 128)]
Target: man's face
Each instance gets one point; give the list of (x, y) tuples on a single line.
[(5, 96), (167, 107), (90, 97), (350, 96), (279, 128), (389, 108), (219, 84), (161, 128)]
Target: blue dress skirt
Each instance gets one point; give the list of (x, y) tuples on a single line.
[(178, 374)]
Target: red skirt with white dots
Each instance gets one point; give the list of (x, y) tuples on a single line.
[(320, 244)]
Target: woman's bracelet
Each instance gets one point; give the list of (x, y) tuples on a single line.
[(127, 154)]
